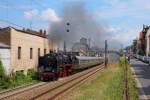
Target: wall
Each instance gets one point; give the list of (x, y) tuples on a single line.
[(5, 36), (148, 43), (26, 41)]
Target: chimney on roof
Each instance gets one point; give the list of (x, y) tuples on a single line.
[(44, 32), (41, 31), (23, 29)]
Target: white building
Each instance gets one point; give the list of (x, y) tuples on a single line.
[(5, 57)]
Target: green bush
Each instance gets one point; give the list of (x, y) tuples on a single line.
[(5, 83), (33, 74), (2, 71), (17, 79), (19, 75)]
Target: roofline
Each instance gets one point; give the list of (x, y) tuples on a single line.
[(30, 33)]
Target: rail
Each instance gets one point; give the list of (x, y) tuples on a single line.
[(60, 86)]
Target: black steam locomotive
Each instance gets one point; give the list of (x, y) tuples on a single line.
[(55, 65)]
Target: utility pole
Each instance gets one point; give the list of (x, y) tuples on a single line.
[(106, 59), (30, 24), (64, 46), (89, 42)]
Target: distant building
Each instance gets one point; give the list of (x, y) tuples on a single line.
[(25, 47), (83, 41), (81, 47), (96, 51), (141, 43), (148, 43)]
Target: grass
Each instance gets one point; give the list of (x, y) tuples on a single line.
[(108, 85), (17, 79), (132, 86)]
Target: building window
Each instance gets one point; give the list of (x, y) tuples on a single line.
[(19, 52), (31, 53), (44, 51), (39, 52)]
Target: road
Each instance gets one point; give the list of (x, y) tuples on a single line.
[(142, 76)]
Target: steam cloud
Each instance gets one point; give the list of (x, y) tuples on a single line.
[(81, 24)]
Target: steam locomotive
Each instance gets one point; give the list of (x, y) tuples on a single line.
[(53, 66)]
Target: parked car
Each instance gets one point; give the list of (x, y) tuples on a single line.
[(138, 57), (146, 59), (134, 55)]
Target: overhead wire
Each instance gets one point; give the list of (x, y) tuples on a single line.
[(7, 15), (6, 21)]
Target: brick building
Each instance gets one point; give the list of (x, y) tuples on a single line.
[(142, 42), (25, 47), (148, 43)]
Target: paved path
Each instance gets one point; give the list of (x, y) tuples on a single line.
[(142, 76)]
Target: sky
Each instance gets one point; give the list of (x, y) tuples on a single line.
[(123, 18)]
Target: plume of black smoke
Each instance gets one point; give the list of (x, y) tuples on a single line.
[(81, 24)]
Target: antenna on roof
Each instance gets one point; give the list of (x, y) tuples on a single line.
[(31, 24)]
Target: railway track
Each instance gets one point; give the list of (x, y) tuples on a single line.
[(11, 92), (74, 83), (52, 90)]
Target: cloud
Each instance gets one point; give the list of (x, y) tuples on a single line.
[(45, 15), (50, 15), (129, 15), (31, 14), (111, 29), (125, 37)]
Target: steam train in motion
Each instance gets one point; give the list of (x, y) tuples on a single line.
[(53, 66)]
